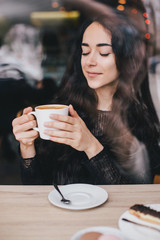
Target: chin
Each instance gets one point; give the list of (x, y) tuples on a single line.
[(93, 86)]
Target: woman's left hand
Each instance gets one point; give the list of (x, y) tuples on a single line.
[(73, 132)]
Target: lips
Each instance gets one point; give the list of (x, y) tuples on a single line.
[(93, 74)]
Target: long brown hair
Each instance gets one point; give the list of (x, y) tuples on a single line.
[(132, 97)]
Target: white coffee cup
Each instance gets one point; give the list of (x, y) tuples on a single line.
[(42, 114)]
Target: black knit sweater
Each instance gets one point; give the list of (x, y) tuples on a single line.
[(62, 164)]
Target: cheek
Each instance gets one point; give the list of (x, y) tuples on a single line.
[(110, 67)]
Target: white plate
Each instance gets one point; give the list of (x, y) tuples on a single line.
[(82, 196), (134, 232), (103, 230)]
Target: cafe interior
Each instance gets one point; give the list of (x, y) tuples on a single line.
[(35, 42), (36, 38)]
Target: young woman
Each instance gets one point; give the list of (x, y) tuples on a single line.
[(112, 132)]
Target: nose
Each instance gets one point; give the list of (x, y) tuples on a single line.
[(91, 59)]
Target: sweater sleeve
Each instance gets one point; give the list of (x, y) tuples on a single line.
[(106, 170), (30, 171)]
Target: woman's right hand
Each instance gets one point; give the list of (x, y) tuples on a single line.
[(24, 132)]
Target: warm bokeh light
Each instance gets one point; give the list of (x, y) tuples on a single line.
[(122, 1), (55, 4), (145, 15), (147, 35), (120, 7), (55, 15), (62, 9), (147, 21), (134, 10)]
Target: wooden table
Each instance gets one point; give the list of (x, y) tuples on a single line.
[(27, 214)]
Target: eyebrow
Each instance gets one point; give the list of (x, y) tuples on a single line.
[(98, 45)]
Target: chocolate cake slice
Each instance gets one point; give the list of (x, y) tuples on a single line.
[(145, 213)]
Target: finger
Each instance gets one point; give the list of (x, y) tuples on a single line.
[(24, 127), (59, 134), (22, 119), (32, 134), (69, 142), (62, 118), (72, 112), (27, 110), (59, 125)]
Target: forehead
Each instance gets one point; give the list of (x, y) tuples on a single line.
[(96, 33)]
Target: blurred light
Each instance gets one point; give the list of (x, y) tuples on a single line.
[(134, 10), (62, 9), (2, 17), (145, 15), (55, 4), (147, 35), (55, 15), (120, 7), (122, 1), (147, 21)]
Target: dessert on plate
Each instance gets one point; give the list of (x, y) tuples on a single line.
[(145, 213)]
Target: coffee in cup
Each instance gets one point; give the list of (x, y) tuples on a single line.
[(42, 114)]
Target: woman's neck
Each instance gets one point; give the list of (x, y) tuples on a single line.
[(105, 96)]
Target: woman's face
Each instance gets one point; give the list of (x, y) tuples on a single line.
[(98, 60)]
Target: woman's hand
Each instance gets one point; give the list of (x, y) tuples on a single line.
[(73, 132), (24, 133)]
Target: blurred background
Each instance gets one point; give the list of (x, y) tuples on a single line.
[(36, 37)]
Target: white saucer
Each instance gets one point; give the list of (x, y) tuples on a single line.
[(100, 229), (134, 232), (82, 196)]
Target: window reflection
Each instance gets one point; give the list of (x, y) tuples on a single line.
[(52, 27)]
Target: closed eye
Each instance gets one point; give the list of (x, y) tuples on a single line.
[(105, 54), (84, 54), (102, 54)]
